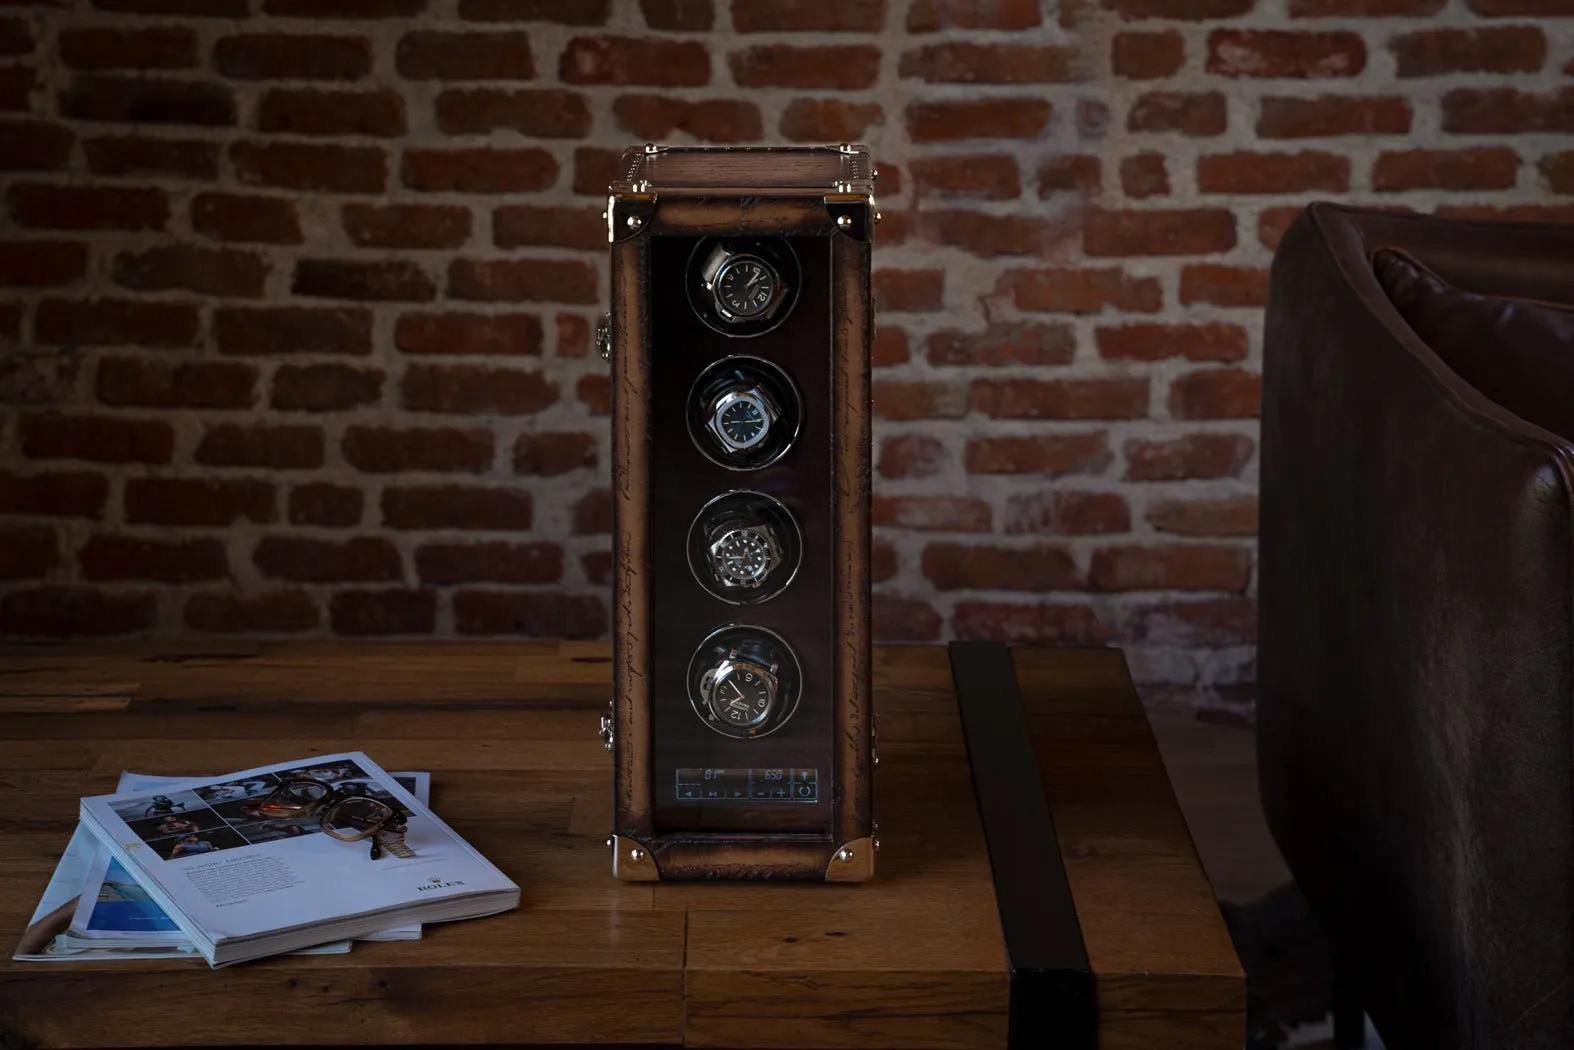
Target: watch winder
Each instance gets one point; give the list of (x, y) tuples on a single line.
[(740, 727)]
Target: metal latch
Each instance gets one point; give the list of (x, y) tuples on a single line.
[(604, 337)]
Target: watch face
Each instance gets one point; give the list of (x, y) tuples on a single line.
[(741, 421), (741, 694), (745, 287), (741, 557)]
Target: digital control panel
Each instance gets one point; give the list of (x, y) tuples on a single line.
[(749, 785)]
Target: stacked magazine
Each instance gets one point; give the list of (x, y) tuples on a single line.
[(297, 857)]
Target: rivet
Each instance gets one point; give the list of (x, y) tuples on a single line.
[(876, 844), (611, 842), (876, 216), (636, 854), (844, 222), (634, 222), (844, 855), (874, 173)]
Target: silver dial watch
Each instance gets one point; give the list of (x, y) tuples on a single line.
[(744, 555), (740, 692), (741, 417)]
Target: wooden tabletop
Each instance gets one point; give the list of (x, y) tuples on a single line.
[(914, 959)]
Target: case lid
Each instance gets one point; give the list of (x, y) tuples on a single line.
[(747, 171)]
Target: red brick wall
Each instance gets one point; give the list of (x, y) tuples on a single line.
[(295, 295)]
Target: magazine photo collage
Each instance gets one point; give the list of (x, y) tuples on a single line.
[(216, 817)]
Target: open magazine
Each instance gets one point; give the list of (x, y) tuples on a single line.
[(108, 915)]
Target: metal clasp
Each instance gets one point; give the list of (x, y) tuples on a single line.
[(608, 734), (604, 337)]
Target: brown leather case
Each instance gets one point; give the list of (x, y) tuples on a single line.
[(815, 207)]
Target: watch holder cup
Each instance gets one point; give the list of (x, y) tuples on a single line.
[(744, 413), (743, 287), (744, 682), (744, 547)]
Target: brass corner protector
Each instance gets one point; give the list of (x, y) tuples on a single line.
[(632, 862), (629, 215), (852, 214), (853, 862)]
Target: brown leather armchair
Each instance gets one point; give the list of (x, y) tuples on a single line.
[(1416, 593)]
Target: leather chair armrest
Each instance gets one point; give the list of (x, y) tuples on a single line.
[(1416, 657)]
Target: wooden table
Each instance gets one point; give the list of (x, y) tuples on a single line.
[(914, 959)]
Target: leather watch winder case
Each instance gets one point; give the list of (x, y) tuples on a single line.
[(741, 724)]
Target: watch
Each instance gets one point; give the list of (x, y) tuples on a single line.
[(742, 286), (389, 839), (744, 555), (744, 547), (740, 417), (744, 681), (739, 692)]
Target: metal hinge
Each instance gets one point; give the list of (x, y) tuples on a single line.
[(608, 733)]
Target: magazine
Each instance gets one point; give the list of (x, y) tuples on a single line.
[(113, 908), (281, 857), (111, 916)]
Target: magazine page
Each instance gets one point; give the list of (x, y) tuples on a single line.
[(242, 870), (113, 907), (59, 901)]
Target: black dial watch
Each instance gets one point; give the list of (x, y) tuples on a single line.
[(744, 682), (739, 692), (744, 286), (744, 555), (744, 547)]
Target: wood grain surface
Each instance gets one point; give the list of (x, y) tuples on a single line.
[(914, 959)]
